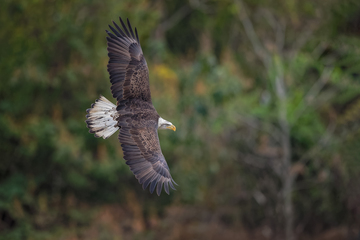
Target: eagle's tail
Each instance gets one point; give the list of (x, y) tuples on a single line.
[(102, 118)]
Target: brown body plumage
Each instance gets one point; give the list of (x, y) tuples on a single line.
[(134, 115)]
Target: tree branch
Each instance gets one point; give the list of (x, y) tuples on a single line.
[(175, 18), (251, 34), (313, 92)]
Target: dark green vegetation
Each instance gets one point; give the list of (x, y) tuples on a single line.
[(265, 96)]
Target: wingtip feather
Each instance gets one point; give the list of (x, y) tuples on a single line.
[(130, 28), (166, 187), (152, 187), (159, 188), (124, 26)]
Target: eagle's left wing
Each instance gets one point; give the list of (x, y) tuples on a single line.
[(140, 143)]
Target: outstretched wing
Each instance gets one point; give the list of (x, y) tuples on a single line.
[(140, 143), (129, 74), (138, 136)]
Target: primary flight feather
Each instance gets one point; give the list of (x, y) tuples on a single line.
[(134, 113)]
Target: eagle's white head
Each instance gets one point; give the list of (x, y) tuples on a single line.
[(163, 124)]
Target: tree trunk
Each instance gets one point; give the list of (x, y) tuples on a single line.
[(287, 178)]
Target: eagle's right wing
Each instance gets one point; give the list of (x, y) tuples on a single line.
[(129, 74)]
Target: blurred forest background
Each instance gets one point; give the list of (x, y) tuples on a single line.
[(265, 96)]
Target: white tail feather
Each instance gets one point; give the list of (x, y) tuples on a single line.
[(102, 118)]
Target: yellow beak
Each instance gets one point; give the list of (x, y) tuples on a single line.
[(172, 127)]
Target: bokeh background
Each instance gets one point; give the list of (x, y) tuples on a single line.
[(265, 96)]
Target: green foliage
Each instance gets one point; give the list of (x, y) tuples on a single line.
[(56, 179)]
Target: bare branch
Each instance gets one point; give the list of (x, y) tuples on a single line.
[(261, 162), (316, 88), (278, 28), (313, 93), (175, 18), (255, 123), (322, 143), (300, 42), (251, 34)]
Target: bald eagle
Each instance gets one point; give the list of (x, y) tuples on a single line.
[(134, 113)]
